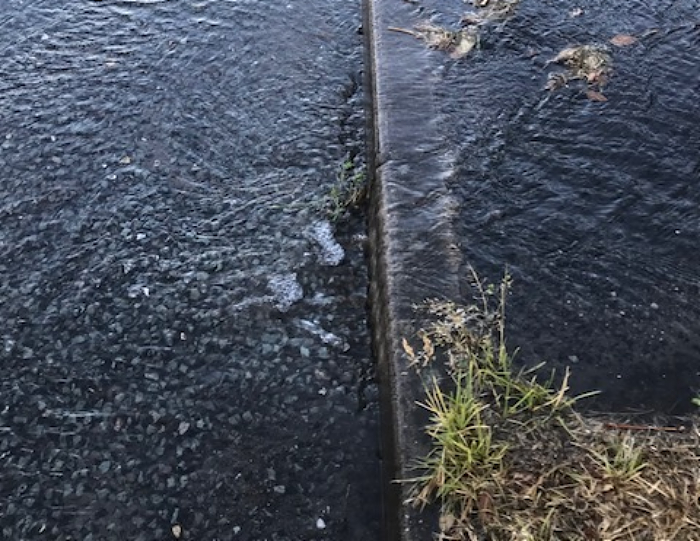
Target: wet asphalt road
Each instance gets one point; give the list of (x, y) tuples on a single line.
[(184, 351)]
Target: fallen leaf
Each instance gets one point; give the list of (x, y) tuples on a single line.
[(623, 40), (596, 77), (595, 96)]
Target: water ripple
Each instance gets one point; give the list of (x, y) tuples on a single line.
[(595, 206)]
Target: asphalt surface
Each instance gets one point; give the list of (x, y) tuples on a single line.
[(184, 350)]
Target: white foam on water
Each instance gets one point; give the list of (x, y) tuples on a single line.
[(332, 253), (326, 337), (286, 290)]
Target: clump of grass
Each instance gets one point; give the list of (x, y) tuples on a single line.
[(512, 460), (621, 459), (349, 190)]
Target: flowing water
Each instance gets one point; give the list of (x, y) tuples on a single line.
[(184, 347), (593, 206)]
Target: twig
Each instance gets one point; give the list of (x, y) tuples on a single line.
[(623, 426), (404, 31)]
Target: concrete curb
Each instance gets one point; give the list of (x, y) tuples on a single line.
[(413, 254)]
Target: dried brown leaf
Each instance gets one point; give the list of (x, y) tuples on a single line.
[(598, 77), (594, 95), (623, 40)]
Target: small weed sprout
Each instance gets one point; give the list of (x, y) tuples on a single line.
[(622, 459)]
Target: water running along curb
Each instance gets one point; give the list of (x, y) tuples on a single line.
[(413, 254)]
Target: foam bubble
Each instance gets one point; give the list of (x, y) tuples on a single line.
[(332, 253), (286, 290)]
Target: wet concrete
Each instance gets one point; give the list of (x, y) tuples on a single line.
[(412, 247), (444, 128)]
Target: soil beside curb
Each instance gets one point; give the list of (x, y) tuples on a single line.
[(412, 251)]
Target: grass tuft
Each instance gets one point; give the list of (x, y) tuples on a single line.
[(349, 190), (512, 460)]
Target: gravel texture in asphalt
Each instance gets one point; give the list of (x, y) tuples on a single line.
[(184, 351)]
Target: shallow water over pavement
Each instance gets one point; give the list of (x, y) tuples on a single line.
[(594, 206), (184, 349)]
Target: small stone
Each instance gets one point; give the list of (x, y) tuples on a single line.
[(321, 524), (280, 489), (177, 531), (183, 428), (654, 306)]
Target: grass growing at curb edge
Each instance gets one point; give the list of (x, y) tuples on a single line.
[(349, 190), (512, 460)]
